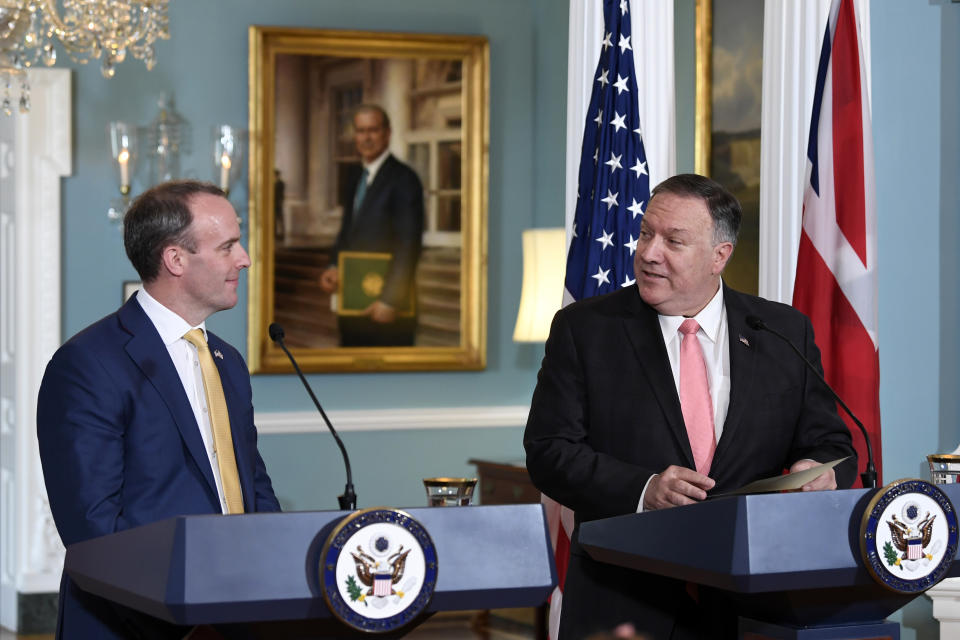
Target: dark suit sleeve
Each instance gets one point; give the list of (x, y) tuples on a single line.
[(821, 435), (407, 220), (560, 459), (80, 430)]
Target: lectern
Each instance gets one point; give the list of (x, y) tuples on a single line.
[(792, 562), (263, 568)]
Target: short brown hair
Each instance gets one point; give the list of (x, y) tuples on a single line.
[(159, 217)]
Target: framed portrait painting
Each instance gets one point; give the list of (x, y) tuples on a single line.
[(368, 226)]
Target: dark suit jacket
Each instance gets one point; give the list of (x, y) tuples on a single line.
[(605, 416), (120, 446), (390, 220)]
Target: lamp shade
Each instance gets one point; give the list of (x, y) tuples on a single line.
[(544, 265)]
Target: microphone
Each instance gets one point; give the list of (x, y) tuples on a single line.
[(869, 475), (348, 501)]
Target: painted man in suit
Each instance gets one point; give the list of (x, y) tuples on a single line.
[(612, 422), (384, 216), (123, 417)]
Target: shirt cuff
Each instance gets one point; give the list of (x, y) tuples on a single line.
[(640, 508)]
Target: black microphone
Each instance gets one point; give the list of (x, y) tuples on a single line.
[(869, 475), (348, 501)]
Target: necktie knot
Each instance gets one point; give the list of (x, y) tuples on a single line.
[(196, 338), (689, 326)]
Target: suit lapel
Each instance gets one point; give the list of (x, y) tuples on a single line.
[(643, 331), (232, 386), (742, 367), (149, 353)]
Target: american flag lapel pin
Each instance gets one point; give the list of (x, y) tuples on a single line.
[(744, 340), (217, 354)]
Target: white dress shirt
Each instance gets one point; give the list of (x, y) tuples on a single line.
[(374, 166), (172, 328)]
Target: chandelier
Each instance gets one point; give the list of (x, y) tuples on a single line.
[(107, 30)]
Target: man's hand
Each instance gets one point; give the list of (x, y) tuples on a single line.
[(329, 279), (381, 312), (676, 486), (826, 481)]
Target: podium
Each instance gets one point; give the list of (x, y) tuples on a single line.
[(263, 568), (791, 562)]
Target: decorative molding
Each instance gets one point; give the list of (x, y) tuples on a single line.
[(41, 152), (393, 419), (946, 606)]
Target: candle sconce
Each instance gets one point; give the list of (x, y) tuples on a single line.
[(151, 154), (229, 144), (163, 140), (123, 149)]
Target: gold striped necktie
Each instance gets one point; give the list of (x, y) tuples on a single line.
[(219, 422)]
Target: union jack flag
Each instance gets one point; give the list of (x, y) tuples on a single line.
[(836, 280), (613, 184)]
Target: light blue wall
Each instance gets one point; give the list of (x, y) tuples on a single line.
[(915, 76), (916, 82)]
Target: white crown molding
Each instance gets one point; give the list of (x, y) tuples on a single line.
[(393, 419)]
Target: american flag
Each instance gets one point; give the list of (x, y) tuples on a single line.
[(613, 184), (836, 281), (612, 193)]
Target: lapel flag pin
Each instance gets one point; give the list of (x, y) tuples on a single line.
[(217, 354), (744, 341)]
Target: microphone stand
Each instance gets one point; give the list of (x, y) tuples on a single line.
[(347, 501), (869, 475)]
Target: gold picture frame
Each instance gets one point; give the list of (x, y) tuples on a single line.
[(726, 146), (304, 86)]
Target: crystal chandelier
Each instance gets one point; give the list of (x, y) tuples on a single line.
[(103, 29)]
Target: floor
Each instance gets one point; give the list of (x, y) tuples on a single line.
[(505, 625)]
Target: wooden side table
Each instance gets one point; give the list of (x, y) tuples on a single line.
[(509, 483)]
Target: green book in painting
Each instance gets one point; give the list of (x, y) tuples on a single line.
[(362, 276)]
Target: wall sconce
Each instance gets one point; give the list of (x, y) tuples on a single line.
[(228, 147), (166, 137), (123, 149), (163, 140), (544, 266)]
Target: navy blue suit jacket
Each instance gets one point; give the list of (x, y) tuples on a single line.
[(389, 220), (120, 446)]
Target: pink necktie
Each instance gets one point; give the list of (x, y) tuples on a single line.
[(695, 400)]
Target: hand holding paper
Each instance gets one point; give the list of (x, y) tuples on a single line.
[(800, 475)]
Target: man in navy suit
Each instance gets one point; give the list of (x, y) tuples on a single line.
[(385, 215), (123, 420), (608, 432)]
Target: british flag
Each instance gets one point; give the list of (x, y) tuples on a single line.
[(836, 281)]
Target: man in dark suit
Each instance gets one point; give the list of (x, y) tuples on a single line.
[(385, 215), (619, 423), (129, 421)]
